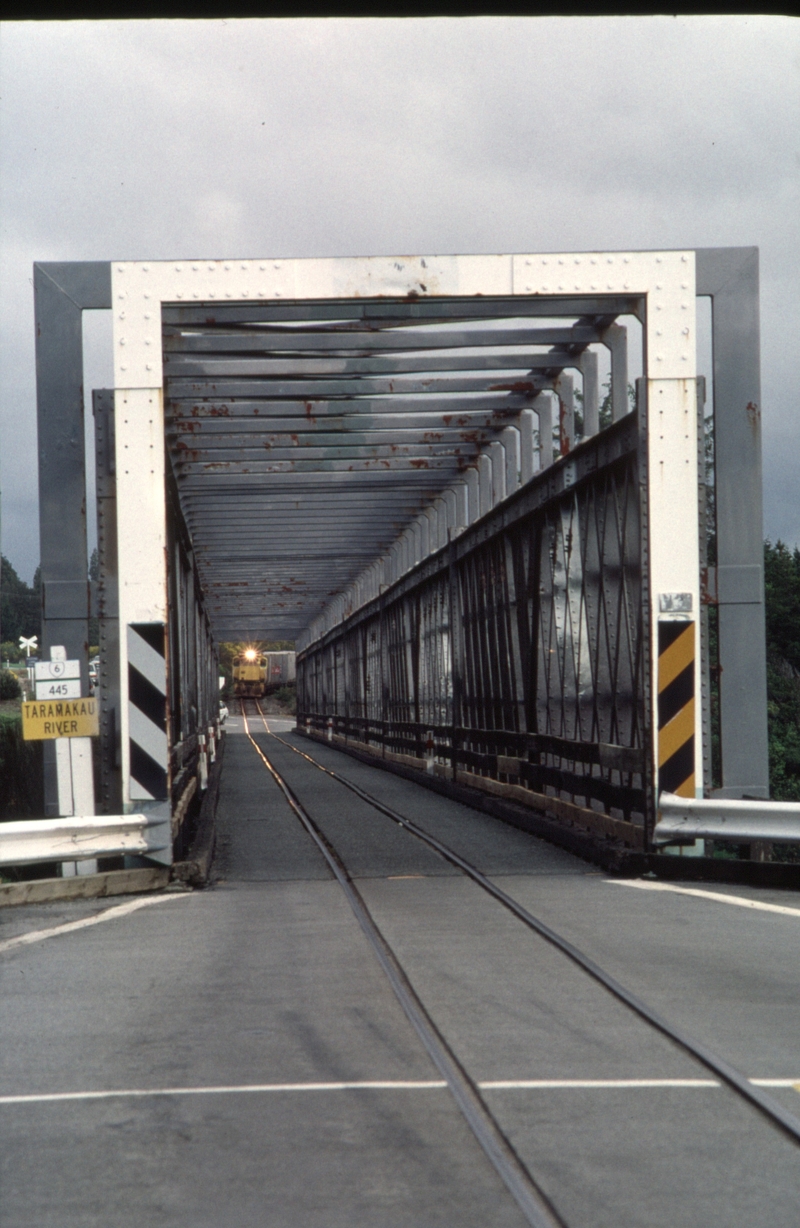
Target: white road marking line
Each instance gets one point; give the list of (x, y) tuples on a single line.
[(740, 901), (383, 1085), (795, 1083), (374, 1085), (108, 914), (544, 1084)]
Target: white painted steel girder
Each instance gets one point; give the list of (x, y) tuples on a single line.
[(666, 281)]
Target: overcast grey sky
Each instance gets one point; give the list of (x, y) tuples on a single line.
[(328, 137)]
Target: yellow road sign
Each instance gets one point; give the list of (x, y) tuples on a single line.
[(67, 718)]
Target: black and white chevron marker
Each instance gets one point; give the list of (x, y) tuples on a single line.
[(147, 711)]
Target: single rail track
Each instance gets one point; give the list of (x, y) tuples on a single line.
[(521, 1183)]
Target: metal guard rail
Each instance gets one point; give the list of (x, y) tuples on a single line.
[(725, 819), (76, 838)]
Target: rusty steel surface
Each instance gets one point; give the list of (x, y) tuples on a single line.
[(307, 438), (518, 652)]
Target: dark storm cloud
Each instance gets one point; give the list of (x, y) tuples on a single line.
[(171, 138)]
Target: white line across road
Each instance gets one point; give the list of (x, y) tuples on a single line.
[(739, 901), (384, 1085), (108, 914)]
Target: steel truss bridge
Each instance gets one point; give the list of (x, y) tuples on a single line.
[(472, 489)]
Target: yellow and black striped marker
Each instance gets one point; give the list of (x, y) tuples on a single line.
[(676, 707)]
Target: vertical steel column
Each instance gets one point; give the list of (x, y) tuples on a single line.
[(61, 293), (730, 277), (110, 799)]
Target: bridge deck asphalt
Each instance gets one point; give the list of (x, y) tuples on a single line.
[(266, 979)]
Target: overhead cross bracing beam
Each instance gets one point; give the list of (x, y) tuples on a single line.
[(300, 394), (293, 428)]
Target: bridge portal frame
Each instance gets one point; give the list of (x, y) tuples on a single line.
[(668, 283)]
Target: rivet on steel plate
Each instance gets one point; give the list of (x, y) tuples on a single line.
[(684, 285), (658, 260), (626, 260), (544, 262), (145, 268), (658, 285), (178, 268), (123, 366), (561, 287), (262, 267), (610, 260), (194, 268), (544, 288), (122, 340)]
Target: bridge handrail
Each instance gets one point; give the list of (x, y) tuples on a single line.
[(722, 818), (80, 837)]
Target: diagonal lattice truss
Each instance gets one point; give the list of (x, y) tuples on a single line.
[(306, 437)]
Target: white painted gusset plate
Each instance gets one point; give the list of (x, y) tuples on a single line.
[(667, 278)]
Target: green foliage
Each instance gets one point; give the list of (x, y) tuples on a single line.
[(9, 651), (21, 771), (286, 696), (20, 604), (9, 687), (605, 407), (782, 598)]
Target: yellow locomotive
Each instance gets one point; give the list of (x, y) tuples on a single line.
[(250, 674)]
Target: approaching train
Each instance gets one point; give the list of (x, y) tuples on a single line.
[(256, 674)]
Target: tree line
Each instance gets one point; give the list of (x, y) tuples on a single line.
[(20, 608)]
